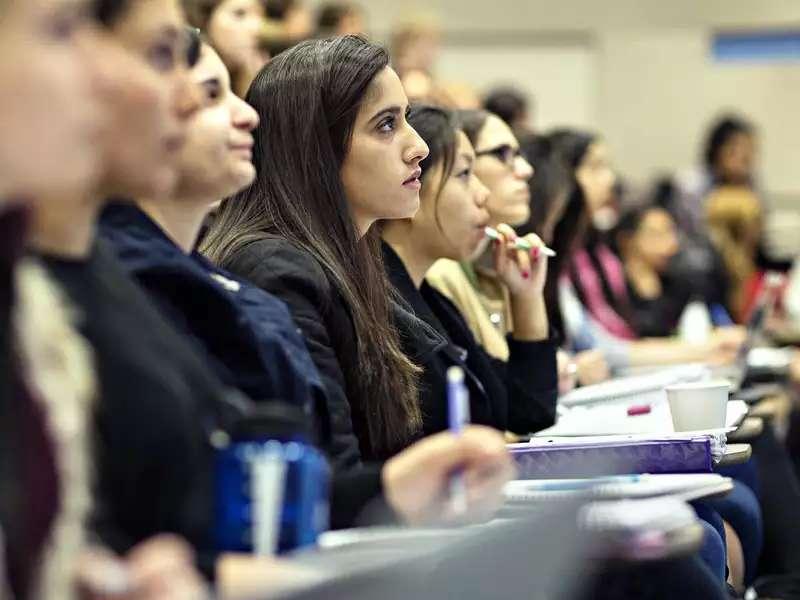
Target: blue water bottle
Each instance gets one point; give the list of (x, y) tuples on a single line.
[(271, 484)]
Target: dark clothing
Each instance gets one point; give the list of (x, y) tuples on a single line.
[(247, 335), (158, 405), (658, 317), (293, 275), (29, 490), (519, 395)]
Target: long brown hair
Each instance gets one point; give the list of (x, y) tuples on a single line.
[(308, 98)]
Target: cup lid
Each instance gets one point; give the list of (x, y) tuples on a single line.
[(713, 384)]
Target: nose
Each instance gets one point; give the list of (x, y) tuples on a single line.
[(416, 150), (244, 116), (187, 96), (522, 168)]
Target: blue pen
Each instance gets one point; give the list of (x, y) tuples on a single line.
[(458, 417)]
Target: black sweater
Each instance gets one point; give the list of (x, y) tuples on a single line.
[(519, 395)]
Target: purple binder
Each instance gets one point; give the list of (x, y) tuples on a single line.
[(565, 459)]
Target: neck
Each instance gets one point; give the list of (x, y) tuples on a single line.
[(180, 219), (65, 228), (411, 251)]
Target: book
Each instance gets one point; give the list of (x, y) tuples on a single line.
[(592, 456)]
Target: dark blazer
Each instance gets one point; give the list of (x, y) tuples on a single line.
[(293, 275), (248, 336), (519, 396)]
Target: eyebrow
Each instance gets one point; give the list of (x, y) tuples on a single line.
[(391, 110)]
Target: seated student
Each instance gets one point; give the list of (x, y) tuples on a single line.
[(734, 217), (330, 163), (547, 200), (251, 341), (474, 287), (50, 56), (590, 286), (519, 395), (234, 28), (339, 18), (647, 240)]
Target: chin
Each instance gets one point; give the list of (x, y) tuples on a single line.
[(518, 218), (405, 208)]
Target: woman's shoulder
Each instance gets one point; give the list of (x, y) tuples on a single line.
[(274, 262)]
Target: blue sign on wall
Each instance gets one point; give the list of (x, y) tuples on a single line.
[(779, 46)]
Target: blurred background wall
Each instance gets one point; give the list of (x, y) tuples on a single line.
[(640, 71)]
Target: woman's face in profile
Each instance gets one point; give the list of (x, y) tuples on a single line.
[(50, 117), (380, 172)]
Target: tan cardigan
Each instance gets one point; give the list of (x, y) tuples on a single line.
[(482, 300)]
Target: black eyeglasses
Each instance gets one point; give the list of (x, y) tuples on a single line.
[(505, 153)]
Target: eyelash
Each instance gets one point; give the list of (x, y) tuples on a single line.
[(240, 13), (388, 121), (465, 174)]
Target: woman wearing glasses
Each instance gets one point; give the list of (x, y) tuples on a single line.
[(519, 394), (490, 308)]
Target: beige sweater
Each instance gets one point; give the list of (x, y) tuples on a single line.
[(482, 300)]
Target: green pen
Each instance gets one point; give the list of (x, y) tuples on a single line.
[(520, 243)]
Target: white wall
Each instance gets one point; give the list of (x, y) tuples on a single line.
[(637, 70)]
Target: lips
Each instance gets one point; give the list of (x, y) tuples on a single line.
[(414, 179)]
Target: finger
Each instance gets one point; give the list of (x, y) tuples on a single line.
[(499, 249), (536, 244), (160, 557), (523, 260)]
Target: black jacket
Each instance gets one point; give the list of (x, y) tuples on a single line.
[(247, 335), (297, 278), (519, 396)]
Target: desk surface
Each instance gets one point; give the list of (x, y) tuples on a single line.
[(736, 454)]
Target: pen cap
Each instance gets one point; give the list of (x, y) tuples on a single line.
[(455, 375)]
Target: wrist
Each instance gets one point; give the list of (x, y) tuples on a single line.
[(529, 314)]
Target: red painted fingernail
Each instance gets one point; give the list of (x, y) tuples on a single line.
[(525, 275), (535, 252)]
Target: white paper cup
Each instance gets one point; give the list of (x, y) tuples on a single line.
[(699, 405)]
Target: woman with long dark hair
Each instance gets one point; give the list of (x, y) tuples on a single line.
[(333, 153), (517, 395)]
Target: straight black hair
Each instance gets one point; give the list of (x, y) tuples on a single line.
[(438, 127), (308, 98)]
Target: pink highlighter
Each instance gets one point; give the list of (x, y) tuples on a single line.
[(641, 409)]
